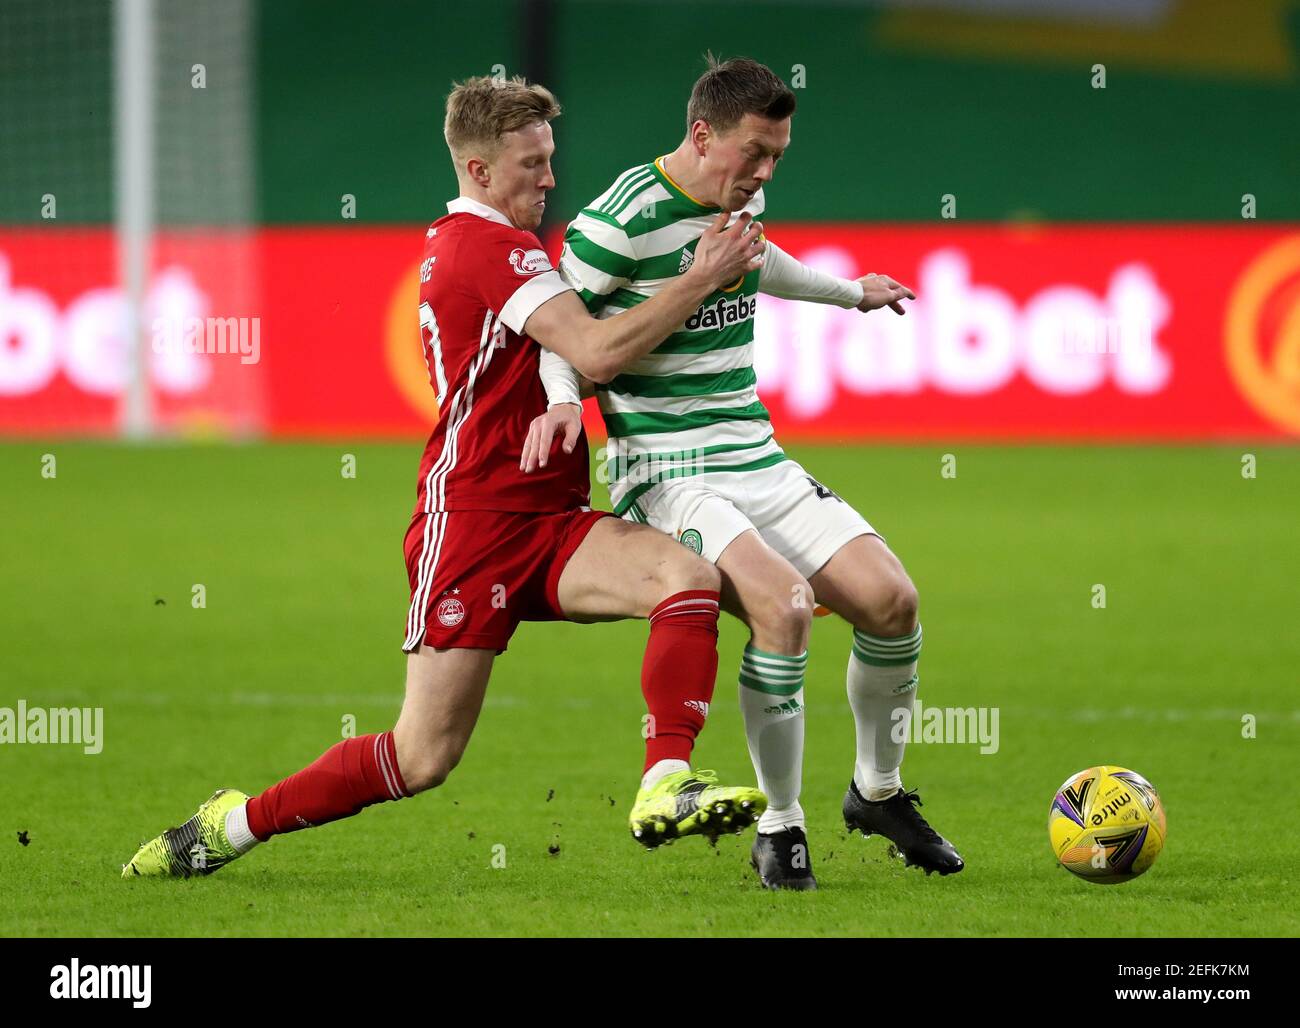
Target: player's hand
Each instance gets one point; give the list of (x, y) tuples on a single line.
[(727, 253), (882, 291), (542, 432)]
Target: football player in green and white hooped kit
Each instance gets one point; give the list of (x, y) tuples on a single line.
[(692, 453)]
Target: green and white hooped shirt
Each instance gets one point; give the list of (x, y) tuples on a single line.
[(691, 405)]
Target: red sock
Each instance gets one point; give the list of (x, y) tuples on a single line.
[(677, 675), (348, 776)]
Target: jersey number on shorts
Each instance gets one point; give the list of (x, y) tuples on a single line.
[(822, 492)]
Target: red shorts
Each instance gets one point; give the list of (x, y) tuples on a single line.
[(475, 574)]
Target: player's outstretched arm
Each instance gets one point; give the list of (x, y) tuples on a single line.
[(790, 279), (601, 349)]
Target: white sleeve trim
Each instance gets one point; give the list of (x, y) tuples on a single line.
[(528, 297), (789, 279), (559, 379)]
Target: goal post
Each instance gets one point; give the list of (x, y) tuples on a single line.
[(133, 199)]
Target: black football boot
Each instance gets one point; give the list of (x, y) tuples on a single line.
[(898, 820), (783, 860)]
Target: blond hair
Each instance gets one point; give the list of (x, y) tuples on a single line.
[(481, 110)]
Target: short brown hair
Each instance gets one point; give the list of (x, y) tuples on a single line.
[(729, 90), (481, 110)]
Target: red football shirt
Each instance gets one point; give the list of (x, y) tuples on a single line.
[(480, 280)]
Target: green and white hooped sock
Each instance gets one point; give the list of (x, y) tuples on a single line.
[(771, 701), (882, 687)]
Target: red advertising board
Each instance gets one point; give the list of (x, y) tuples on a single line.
[(63, 354), (1180, 332), (1097, 332)]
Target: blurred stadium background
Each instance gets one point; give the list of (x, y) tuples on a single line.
[(1092, 261)]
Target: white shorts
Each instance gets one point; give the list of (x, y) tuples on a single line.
[(793, 513)]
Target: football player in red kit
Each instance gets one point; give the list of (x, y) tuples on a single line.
[(489, 546)]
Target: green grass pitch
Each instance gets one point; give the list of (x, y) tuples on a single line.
[(305, 600)]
